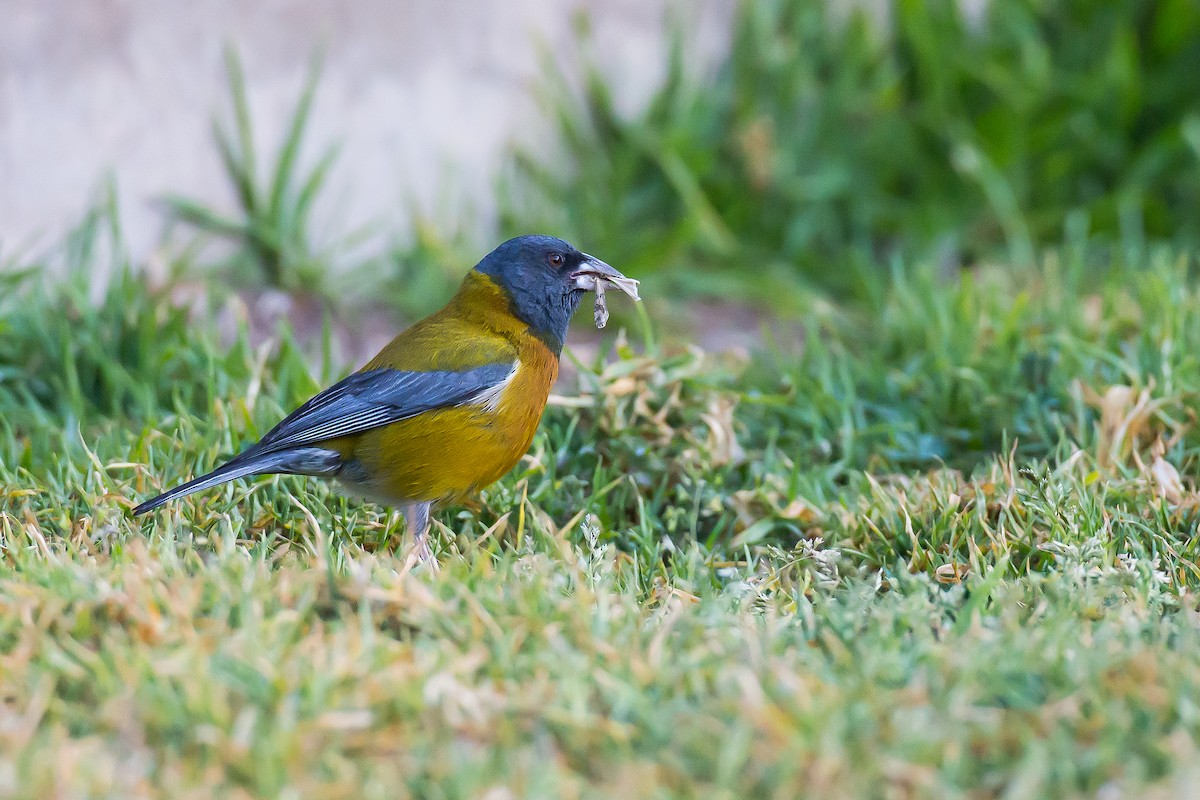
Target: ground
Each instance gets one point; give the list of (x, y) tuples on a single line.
[(947, 548)]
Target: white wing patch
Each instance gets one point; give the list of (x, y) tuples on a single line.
[(489, 398)]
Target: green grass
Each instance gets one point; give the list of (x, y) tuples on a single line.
[(828, 141), (945, 545), (933, 552), (824, 146), (271, 231)]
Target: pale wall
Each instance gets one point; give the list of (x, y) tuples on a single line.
[(424, 95)]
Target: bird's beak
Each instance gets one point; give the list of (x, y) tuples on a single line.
[(592, 271)]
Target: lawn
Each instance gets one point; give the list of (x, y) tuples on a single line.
[(934, 535), (945, 545)]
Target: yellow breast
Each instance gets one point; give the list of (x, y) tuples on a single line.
[(446, 455)]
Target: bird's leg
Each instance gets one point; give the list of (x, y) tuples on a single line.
[(417, 517)]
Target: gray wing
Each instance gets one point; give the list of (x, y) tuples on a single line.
[(363, 401), (367, 400)]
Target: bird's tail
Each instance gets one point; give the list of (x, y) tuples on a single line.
[(299, 461)]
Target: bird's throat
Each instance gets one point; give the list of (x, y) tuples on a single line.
[(546, 317)]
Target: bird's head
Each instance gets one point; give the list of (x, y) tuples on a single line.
[(545, 279)]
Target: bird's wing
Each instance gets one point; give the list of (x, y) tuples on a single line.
[(365, 400), (379, 397)]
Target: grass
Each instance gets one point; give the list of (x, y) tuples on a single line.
[(945, 545), (950, 547), (271, 231), (824, 146), (828, 141)]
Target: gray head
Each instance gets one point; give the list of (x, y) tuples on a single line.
[(545, 279)]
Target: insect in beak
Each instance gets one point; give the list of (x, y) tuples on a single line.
[(593, 272), (596, 276)]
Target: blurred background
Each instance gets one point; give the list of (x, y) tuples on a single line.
[(763, 153), (888, 488), (424, 99)]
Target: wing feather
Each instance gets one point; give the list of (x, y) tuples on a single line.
[(379, 397), (365, 400)]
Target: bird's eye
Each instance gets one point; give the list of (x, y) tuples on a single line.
[(555, 259)]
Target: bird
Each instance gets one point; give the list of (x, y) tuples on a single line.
[(451, 404)]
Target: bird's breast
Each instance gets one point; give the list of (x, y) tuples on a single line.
[(518, 404), (445, 455)]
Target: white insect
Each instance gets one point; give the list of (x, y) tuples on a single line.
[(601, 310)]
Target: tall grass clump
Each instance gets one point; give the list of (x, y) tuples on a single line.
[(271, 230), (950, 546), (823, 144)]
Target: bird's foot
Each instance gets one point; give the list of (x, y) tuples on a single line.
[(417, 515), (424, 554)]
